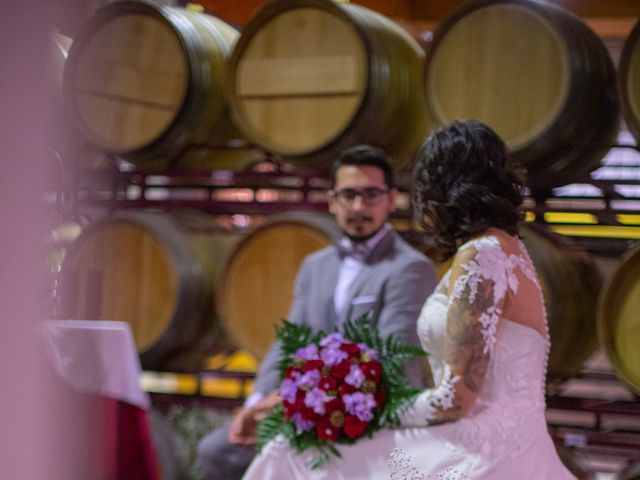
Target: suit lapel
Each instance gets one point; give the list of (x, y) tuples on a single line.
[(329, 317)]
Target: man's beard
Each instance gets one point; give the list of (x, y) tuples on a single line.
[(363, 238)]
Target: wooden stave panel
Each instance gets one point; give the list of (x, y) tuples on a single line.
[(629, 73), (469, 32), (200, 113), (104, 61), (384, 48), (565, 150), (277, 45)]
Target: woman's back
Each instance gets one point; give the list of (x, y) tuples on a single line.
[(515, 337), (525, 306)]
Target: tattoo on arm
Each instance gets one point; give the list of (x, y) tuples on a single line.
[(466, 345), (466, 353)]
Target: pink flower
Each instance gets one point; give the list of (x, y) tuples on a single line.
[(315, 399), (355, 376)]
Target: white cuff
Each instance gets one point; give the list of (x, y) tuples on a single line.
[(253, 399)]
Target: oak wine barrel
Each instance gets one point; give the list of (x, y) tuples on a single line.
[(536, 74), (570, 282), (155, 271), (144, 81), (309, 78), (256, 288), (619, 319)]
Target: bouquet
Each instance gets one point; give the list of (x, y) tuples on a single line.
[(337, 387)]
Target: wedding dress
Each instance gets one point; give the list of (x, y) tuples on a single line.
[(504, 437)]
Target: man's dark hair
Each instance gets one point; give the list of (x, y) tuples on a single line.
[(464, 184), (364, 155)]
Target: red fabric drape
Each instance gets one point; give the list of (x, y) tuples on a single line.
[(127, 448)]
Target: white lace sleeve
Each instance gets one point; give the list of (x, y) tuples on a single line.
[(482, 274)]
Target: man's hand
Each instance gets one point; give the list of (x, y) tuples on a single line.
[(242, 430)]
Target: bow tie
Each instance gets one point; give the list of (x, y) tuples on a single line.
[(357, 251)]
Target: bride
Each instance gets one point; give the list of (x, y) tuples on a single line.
[(484, 328)]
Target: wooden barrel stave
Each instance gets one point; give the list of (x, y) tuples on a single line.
[(629, 81)]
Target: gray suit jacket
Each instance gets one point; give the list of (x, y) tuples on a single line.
[(393, 285)]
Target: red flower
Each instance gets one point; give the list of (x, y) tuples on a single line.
[(372, 370), (326, 431), (351, 348), (299, 403), (380, 396), (297, 406), (353, 426), (309, 414), (288, 373), (346, 388), (312, 365), (328, 383), (335, 405), (341, 369), (289, 409)]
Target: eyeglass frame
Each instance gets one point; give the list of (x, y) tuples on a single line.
[(373, 200)]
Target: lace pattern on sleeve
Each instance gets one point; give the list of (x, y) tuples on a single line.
[(423, 409), (490, 263)]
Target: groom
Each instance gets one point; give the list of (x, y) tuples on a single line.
[(371, 270)]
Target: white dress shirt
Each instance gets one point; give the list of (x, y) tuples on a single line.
[(351, 266)]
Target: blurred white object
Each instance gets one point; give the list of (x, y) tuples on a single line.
[(97, 357)]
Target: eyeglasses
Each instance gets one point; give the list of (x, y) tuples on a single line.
[(370, 196)]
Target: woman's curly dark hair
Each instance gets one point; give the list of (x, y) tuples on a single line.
[(464, 183)]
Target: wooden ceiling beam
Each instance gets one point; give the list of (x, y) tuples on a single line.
[(434, 10), (236, 12), (239, 12)]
